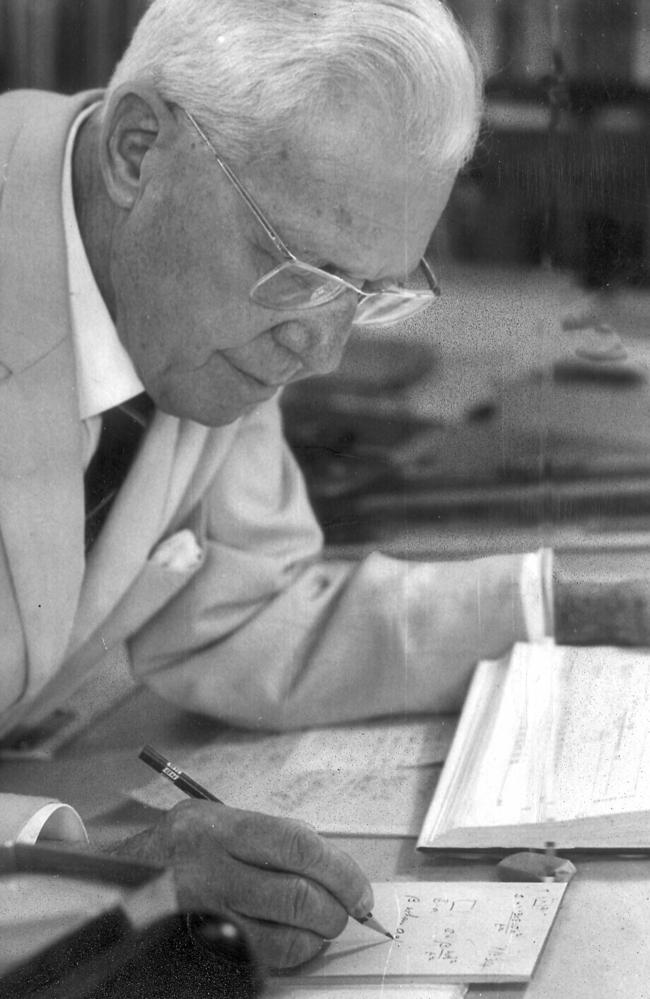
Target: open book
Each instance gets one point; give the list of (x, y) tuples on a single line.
[(553, 744)]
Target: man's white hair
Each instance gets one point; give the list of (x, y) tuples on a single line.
[(246, 68)]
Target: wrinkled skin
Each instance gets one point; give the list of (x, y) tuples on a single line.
[(288, 888)]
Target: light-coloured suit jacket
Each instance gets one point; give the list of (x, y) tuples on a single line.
[(260, 631)]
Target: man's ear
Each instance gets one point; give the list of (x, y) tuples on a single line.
[(134, 120)]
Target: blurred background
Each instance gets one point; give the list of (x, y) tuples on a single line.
[(516, 412)]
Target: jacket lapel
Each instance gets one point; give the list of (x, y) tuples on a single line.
[(135, 522), (122, 589), (124, 586)]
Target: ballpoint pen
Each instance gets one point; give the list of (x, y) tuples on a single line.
[(193, 789)]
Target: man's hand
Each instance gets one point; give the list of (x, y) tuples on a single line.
[(287, 887)]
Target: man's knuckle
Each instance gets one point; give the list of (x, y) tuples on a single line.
[(182, 812), (179, 822), (301, 900)]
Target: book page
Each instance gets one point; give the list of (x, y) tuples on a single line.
[(376, 778), (446, 931), (565, 738), (601, 744), (493, 775)]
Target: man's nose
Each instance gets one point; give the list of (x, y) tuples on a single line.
[(318, 336)]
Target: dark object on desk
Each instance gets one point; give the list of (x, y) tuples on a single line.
[(106, 959), (531, 866), (136, 950), (575, 370)]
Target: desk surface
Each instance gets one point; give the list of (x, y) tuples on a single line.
[(600, 943)]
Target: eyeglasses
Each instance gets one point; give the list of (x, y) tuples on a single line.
[(295, 284)]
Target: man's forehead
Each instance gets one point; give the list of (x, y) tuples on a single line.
[(327, 192), (345, 166)]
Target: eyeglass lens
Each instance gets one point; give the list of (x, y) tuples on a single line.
[(294, 286), (298, 286)]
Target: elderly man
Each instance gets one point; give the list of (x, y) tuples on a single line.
[(258, 177)]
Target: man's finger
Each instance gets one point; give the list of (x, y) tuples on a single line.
[(276, 946), (290, 846), (277, 897)]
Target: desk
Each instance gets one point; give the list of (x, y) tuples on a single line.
[(599, 946)]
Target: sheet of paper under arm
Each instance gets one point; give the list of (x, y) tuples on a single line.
[(444, 931), (373, 778)]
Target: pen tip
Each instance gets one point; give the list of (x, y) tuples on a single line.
[(374, 924)]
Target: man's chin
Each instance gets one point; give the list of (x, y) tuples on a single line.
[(223, 416), (235, 397)]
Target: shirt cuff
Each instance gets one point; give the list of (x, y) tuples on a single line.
[(27, 819), (536, 586)]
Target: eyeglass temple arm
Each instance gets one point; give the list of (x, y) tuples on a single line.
[(432, 281), (268, 229), (241, 190)]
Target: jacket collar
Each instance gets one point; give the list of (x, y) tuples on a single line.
[(32, 241)]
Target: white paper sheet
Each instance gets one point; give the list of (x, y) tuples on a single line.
[(552, 738), (374, 779), (451, 931)]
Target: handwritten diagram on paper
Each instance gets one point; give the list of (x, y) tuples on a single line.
[(374, 778), (410, 990), (464, 932)]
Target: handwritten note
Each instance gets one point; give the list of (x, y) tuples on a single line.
[(374, 778), (455, 932), (408, 990)]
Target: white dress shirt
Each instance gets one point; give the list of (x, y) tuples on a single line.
[(105, 373)]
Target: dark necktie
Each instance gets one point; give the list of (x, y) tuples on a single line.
[(122, 430)]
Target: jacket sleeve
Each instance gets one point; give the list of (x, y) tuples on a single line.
[(271, 634)]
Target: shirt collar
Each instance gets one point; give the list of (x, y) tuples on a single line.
[(105, 373)]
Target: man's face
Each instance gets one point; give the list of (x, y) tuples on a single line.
[(340, 194)]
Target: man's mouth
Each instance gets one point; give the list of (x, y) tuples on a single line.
[(268, 384)]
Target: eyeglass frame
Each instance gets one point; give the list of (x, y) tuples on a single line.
[(284, 250)]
